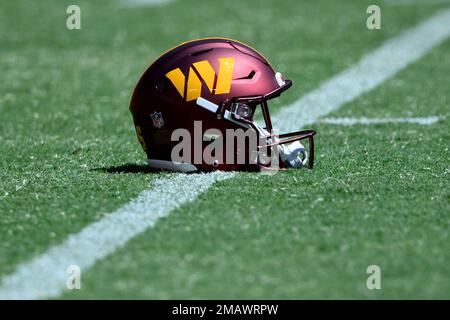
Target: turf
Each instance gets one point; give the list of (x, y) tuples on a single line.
[(378, 195)]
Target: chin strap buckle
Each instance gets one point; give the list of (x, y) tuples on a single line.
[(294, 155)]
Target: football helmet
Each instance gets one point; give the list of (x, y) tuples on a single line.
[(206, 87)]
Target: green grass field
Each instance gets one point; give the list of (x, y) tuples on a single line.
[(379, 194)]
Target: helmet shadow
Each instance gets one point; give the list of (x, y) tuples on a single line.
[(128, 168)]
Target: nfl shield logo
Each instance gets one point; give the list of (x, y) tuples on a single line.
[(157, 118)]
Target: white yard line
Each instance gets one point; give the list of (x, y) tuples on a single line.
[(45, 275), (143, 3), (368, 73), (367, 121)]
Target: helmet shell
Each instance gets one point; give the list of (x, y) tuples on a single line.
[(156, 94)]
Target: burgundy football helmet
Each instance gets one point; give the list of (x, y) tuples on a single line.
[(219, 84)]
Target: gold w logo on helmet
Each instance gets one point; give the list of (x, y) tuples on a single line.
[(207, 74)]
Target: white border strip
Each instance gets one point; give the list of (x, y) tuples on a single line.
[(368, 121), (45, 275)]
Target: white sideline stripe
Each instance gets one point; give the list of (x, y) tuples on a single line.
[(367, 74), (354, 121), (144, 3), (44, 276)]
